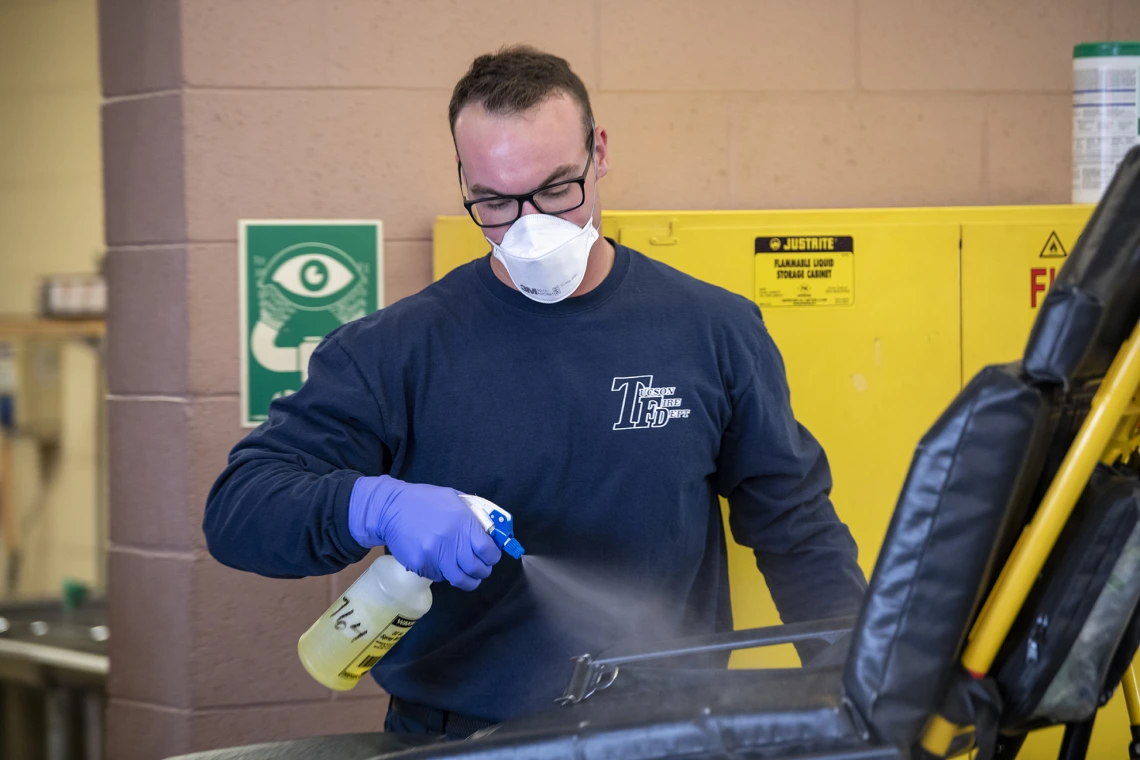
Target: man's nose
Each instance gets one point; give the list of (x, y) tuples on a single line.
[(528, 208)]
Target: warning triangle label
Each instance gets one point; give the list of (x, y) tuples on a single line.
[(1053, 248)]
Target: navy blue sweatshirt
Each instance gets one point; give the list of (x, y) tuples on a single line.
[(607, 424)]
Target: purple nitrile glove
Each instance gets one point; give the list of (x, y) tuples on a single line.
[(428, 529)]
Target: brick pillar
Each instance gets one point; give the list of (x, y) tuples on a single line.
[(203, 656)]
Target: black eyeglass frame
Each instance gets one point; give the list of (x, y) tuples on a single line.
[(521, 199)]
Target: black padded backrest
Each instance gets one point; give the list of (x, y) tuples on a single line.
[(1095, 301), (966, 493)]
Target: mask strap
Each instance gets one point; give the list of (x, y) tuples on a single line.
[(594, 163)]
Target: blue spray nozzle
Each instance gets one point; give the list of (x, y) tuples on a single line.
[(497, 522), (503, 534), (512, 547)]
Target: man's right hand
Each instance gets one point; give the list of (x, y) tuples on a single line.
[(428, 529)]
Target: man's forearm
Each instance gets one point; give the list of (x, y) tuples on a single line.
[(814, 585), (267, 516)]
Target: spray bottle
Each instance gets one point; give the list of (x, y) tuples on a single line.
[(368, 619)]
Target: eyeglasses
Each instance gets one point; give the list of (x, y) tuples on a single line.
[(555, 198)]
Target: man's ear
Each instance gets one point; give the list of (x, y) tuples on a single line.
[(601, 150)]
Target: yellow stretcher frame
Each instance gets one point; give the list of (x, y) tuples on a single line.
[(1107, 433)]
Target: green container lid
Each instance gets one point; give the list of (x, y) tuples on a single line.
[(1105, 49), (74, 593)]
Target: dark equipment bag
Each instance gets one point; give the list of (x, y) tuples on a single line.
[(1078, 630)]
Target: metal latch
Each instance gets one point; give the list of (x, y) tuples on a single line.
[(669, 238)]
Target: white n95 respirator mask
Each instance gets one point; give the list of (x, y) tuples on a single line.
[(546, 255)]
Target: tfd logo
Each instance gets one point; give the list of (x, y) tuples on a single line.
[(644, 406)]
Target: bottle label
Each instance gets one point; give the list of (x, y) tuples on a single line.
[(1106, 124), (378, 647)]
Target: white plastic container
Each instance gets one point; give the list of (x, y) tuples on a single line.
[(364, 623), (1106, 120)]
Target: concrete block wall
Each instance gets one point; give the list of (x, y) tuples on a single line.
[(221, 109)]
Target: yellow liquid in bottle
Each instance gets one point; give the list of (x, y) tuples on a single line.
[(363, 624)]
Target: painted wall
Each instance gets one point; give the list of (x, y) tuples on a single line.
[(51, 221)]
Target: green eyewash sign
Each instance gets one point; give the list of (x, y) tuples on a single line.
[(299, 281)]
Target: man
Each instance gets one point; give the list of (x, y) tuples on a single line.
[(602, 398)]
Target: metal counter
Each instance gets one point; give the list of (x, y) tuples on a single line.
[(53, 673)]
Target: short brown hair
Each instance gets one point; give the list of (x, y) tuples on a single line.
[(514, 80)]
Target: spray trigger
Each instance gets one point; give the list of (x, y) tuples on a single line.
[(498, 523)]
